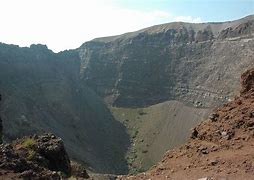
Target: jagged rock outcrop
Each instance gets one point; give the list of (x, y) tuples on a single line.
[(219, 148), (36, 157), (242, 29)]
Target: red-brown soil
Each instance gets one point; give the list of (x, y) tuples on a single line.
[(220, 148)]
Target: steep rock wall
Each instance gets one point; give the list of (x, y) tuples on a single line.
[(43, 92), (194, 63)]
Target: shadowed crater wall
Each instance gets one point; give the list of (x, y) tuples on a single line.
[(42, 92)]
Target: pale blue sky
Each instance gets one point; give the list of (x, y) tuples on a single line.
[(207, 10), (66, 24)]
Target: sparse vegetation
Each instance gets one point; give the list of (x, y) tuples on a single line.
[(72, 178), (144, 131), (28, 143), (31, 154)]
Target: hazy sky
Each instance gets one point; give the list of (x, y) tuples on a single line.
[(66, 24)]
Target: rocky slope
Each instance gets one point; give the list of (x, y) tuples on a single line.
[(155, 129), (41, 92), (219, 148)]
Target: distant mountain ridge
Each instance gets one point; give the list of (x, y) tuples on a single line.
[(216, 28)]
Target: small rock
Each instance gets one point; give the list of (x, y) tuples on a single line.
[(203, 150), (224, 133), (144, 151), (214, 148), (251, 115), (170, 156), (194, 133), (214, 162), (214, 117)]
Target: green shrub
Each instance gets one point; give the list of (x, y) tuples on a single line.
[(28, 143)]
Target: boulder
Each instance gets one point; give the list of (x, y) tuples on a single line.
[(37, 157), (11, 162), (52, 149)]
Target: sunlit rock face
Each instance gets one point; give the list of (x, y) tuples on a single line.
[(195, 63)]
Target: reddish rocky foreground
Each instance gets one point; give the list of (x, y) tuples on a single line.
[(220, 148)]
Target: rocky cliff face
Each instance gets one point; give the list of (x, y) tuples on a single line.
[(219, 148), (194, 63), (42, 92)]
